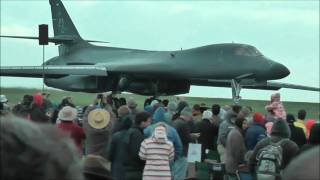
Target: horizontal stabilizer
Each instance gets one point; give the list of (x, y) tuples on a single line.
[(57, 40), (52, 71), (291, 86)]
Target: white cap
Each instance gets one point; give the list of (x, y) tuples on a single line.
[(207, 114), (3, 98), (68, 113)]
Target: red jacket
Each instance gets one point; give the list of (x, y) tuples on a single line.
[(76, 132)]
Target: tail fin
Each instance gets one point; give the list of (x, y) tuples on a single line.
[(62, 23)]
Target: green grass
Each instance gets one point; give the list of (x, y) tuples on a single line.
[(15, 95)]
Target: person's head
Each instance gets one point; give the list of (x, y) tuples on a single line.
[(123, 111), (302, 114), (96, 168), (37, 99), (181, 104), (231, 116), (27, 99), (68, 114), (132, 103), (245, 124), (165, 102), (100, 99), (122, 101), (207, 115), (186, 114), (239, 123), (143, 119), (236, 108), (158, 115), (314, 137), (172, 106), (290, 118), (196, 109), (258, 118), (244, 113), (275, 97), (3, 99), (215, 109), (36, 151), (160, 132), (280, 128), (309, 123)]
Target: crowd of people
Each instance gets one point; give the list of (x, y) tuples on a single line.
[(114, 138)]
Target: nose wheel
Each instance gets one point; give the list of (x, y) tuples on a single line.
[(236, 88)]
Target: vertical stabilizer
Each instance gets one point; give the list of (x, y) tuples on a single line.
[(62, 23), (63, 27)]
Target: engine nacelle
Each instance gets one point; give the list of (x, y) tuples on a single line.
[(90, 84), (160, 87)]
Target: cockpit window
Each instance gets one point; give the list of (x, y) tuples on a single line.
[(247, 51)]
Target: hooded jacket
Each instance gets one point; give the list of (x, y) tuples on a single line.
[(280, 131), (226, 126)]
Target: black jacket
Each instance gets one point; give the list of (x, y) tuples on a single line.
[(208, 134), (297, 135), (183, 130)]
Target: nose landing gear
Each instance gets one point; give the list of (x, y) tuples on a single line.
[(236, 88)]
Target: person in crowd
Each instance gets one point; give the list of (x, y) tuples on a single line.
[(133, 164), (96, 168), (66, 101), (23, 108), (132, 105), (117, 149), (208, 132), (276, 106), (305, 166), (171, 108), (158, 115), (216, 109), (122, 101), (4, 101), (157, 151), (47, 104), (174, 137), (98, 121), (224, 128), (67, 116), (37, 151), (4, 111), (256, 131), (297, 134), (314, 138), (122, 112), (235, 150), (268, 127), (165, 103), (300, 121), (37, 113), (245, 113), (183, 129), (280, 134), (309, 123), (270, 116), (196, 113), (181, 105)]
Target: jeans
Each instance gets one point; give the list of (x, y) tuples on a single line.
[(180, 167)]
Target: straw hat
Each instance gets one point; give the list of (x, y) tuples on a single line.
[(98, 118)]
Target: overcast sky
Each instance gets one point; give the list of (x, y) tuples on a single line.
[(285, 31)]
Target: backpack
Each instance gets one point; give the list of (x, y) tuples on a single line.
[(269, 161)]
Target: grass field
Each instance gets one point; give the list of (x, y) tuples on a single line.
[(15, 95)]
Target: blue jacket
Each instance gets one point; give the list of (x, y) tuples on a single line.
[(172, 136), (254, 134)]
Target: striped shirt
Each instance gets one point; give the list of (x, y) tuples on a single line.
[(157, 156)]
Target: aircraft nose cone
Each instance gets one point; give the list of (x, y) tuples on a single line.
[(279, 71)]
